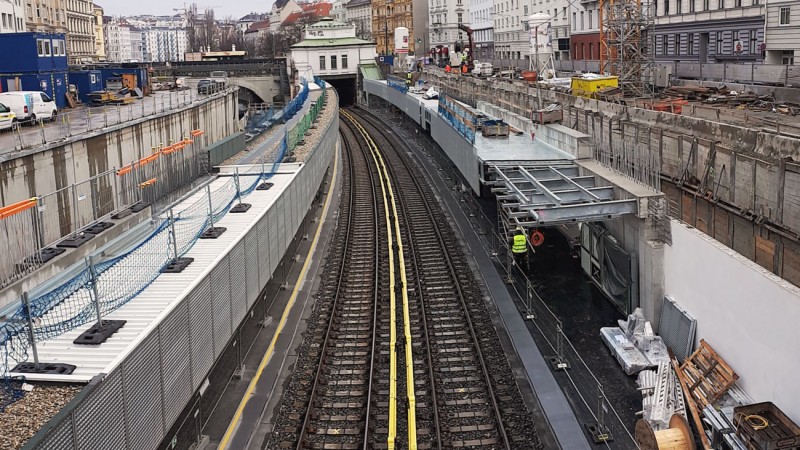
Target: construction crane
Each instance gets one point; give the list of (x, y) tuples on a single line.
[(471, 46)]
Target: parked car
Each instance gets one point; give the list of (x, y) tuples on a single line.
[(7, 117), (206, 86), (30, 106)]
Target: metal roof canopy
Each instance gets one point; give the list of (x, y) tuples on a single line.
[(554, 194)]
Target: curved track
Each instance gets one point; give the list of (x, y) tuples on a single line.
[(401, 351)]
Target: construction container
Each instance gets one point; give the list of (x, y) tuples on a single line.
[(550, 115), (587, 86), (495, 128), (33, 52), (54, 84), (86, 82), (763, 426)]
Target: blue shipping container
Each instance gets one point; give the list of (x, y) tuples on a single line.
[(53, 84), (33, 52), (86, 81), (115, 72)]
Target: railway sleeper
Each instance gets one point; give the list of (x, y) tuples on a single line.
[(475, 443), (335, 431), (471, 428)]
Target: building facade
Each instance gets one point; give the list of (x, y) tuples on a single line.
[(584, 30), (281, 10), (99, 33), (80, 31), (331, 48), (388, 15), (480, 17), (782, 42), (137, 44), (48, 16), (709, 30), (165, 44), (12, 13), (445, 18), (118, 40), (359, 13), (512, 43)]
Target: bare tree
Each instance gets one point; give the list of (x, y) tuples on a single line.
[(191, 28), (363, 29)]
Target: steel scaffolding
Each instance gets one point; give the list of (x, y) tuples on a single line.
[(626, 44)]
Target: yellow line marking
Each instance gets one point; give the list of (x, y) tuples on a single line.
[(409, 357), (237, 416)]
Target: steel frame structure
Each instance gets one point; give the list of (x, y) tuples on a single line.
[(626, 44)]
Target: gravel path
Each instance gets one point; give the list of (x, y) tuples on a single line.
[(24, 418), (326, 117)]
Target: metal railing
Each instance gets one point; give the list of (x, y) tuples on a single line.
[(69, 124)]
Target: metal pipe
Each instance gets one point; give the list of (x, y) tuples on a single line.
[(93, 274), (26, 303)]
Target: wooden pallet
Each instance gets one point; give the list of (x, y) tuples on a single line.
[(707, 375)]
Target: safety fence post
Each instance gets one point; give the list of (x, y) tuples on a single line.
[(105, 116), (95, 295), (26, 303)]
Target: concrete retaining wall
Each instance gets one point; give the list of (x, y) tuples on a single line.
[(45, 170), (747, 314)]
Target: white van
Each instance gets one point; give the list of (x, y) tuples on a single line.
[(30, 105)]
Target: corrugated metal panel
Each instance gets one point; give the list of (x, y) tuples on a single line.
[(253, 285), (274, 253), (202, 326), (59, 439), (677, 328), (264, 271), (281, 213), (100, 420), (221, 298), (142, 379), (238, 285), (175, 351)]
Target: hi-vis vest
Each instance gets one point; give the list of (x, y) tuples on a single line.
[(520, 244)]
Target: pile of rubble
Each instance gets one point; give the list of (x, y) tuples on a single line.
[(724, 96)]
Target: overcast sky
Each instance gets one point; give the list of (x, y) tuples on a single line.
[(222, 8)]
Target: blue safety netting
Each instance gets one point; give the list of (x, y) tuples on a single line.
[(397, 83), (462, 120)]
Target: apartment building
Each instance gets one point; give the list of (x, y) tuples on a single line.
[(99, 33), (709, 30), (359, 13), (118, 40), (48, 16), (390, 14), (80, 31), (782, 42), (584, 29), (165, 44), (512, 41), (12, 13), (445, 18), (480, 17)]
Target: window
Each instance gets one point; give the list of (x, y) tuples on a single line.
[(666, 7), (664, 45), (333, 62), (751, 47), (720, 4), (460, 17), (525, 8), (322, 63), (564, 11), (45, 97), (785, 17), (719, 42), (755, 2), (787, 57), (591, 50), (677, 43), (574, 22), (737, 3), (344, 61), (691, 6), (690, 44), (678, 6), (590, 19), (583, 22), (705, 5)]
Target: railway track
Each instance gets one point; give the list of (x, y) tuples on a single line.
[(400, 351)]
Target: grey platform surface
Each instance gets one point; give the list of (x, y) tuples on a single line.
[(516, 148), (559, 415)]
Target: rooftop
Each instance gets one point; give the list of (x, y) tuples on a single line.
[(338, 42)]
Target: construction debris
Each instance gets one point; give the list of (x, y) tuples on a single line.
[(765, 426), (707, 375), (723, 96), (662, 396)]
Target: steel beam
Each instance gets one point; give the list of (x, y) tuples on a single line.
[(549, 194)]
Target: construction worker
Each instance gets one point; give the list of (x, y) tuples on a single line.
[(447, 69), (409, 78), (519, 247), (463, 68)]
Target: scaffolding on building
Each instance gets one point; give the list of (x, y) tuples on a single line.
[(626, 44)]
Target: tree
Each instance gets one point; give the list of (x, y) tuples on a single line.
[(363, 29)]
